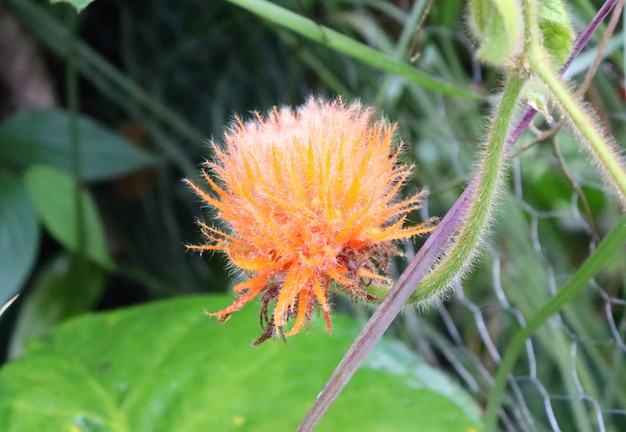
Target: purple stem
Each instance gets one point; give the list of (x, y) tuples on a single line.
[(382, 318)]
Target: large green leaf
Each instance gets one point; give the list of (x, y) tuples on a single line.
[(166, 367), (43, 137), (53, 192), (19, 236)]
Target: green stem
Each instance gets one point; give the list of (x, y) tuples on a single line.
[(459, 255), (606, 249), (400, 50), (71, 82), (600, 148), (346, 45)]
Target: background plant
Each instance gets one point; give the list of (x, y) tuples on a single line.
[(556, 207)]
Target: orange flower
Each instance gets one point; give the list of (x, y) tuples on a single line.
[(309, 199)]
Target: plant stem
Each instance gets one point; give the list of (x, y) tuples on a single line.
[(346, 45), (586, 126), (71, 82), (458, 257)]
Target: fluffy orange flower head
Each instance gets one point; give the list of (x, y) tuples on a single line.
[(310, 199)]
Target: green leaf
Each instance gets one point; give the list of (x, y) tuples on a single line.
[(167, 367), (56, 296), (52, 192), (19, 236), (42, 137), (79, 5), (499, 27), (346, 45), (555, 25)]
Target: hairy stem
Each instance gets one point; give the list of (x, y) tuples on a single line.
[(458, 257), (599, 146)]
